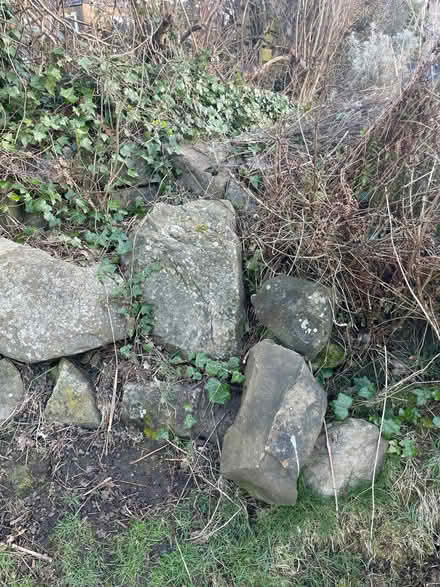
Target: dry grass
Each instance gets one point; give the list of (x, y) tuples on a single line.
[(359, 211)]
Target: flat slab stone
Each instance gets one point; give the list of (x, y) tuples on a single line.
[(50, 308)]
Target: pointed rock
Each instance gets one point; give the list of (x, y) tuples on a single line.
[(73, 399), (280, 418)]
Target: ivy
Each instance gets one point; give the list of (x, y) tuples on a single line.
[(405, 412), (217, 375)]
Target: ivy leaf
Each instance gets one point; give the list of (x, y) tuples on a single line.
[(391, 427), (364, 387), (436, 422), (237, 377), (212, 368), (409, 447), (193, 373), (409, 415), (341, 405), (233, 363), (422, 396), (86, 143), (218, 392), (126, 351), (39, 135), (69, 95), (255, 181), (201, 360)]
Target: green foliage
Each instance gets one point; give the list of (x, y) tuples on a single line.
[(81, 561), (341, 406), (132, 304), (218, 375), (406, 412), (110, 123), (364, 388)]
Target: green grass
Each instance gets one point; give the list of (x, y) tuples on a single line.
[(79, 556), (204, 542), (10, 575)]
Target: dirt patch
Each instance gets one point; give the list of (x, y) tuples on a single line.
[(107, 487)]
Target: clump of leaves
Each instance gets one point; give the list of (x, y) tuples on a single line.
[(132, 305), (218, 375), (105, 124), (405, 412)]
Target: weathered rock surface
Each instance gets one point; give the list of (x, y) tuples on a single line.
[(214, 420), (154, 405), (11, 389), (207, 173), (280, 418), (134, 196), (196, 289), (182, 408), (50, 308), (353, 446), (73, 399), (297, 312)]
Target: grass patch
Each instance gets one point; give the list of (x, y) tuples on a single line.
[(79, 557), (10, 575), (212, 540), (223, 538)]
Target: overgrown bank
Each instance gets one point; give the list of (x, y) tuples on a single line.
[(360, 217)]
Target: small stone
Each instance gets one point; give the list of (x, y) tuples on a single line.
[(353, 449), (73, 399), (297, 312)]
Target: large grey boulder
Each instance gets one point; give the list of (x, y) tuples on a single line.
[(73, 399), (280, 418), (11, 389), (50, 308), (196, 287), (353, 447), (297, 312), (183, 409)]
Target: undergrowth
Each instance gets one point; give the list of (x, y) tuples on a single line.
[(78, 128)]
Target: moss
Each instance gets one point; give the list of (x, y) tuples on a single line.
[(329, 358)]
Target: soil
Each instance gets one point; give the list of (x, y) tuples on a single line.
[(108, 488), (48, 471)]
